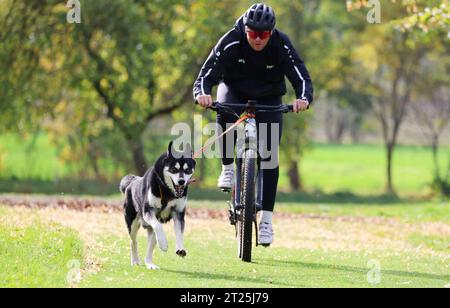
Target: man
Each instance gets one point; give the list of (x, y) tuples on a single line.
[(250, 62)]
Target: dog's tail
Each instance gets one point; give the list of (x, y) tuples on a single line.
[(126, 181)]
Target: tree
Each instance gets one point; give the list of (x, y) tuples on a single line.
[(322, 32), (432, 109), (396, 76), (135, 57), (296, 19), (433, 115), (397, 52)]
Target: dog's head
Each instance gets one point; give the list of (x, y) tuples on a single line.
[(178, 169)]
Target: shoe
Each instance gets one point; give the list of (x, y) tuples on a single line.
[(265, 237), (226, 179)]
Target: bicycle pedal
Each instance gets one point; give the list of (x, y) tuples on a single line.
[(232, 218), (226, 190)]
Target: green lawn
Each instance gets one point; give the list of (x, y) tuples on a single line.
[(329, 236), (31, 158), (338, 248), (38, 255), (360, 169), (413, 211), (214, 264)]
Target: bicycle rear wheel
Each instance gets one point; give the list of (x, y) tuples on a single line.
[(248, 211)]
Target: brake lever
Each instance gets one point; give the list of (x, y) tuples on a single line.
[(213, 107), (290, 108)]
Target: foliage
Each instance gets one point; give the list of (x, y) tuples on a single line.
[(112, 74), (426, 16), (103, 89)]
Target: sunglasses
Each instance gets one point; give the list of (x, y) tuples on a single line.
[(261, 34)]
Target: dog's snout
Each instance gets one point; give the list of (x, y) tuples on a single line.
[(181, 182)]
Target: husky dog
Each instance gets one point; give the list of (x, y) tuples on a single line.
[(156, 198)]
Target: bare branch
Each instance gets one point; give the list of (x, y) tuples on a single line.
[(163, 111)]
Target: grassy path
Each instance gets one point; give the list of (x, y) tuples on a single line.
[(311, 250)]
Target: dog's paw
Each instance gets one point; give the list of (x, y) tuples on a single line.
[(163, 246), (136, 262), (151, 266), (181, 253)]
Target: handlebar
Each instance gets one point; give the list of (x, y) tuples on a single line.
[(221, 107)]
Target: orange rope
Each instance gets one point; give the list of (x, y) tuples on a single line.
[(247, 116)]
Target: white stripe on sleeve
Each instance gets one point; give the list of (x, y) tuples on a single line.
[(203, 79), (299, 74), (303, 80)]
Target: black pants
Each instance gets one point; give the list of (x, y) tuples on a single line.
[(273, 120)]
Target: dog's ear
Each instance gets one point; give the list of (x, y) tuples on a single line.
[(170, 149)]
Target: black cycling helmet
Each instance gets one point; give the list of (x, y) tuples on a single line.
[(260, 17)]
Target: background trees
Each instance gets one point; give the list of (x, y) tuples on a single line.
[(410, 31), (122, 67), (106, 91)]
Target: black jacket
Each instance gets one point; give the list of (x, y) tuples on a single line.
[(251, 74)]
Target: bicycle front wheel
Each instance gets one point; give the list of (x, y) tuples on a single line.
[(248, 211)]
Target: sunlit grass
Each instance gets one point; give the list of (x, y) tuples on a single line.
[(214, 264), (307, 252), (37, 256), (359, 169)]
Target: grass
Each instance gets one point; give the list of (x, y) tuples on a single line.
[(361, 169), (33, 157), (276, 267), (37, 256), (410, 212), (60, 187), (433, 242), (413, 211), (33, 166), (334, 249), (326, 237)]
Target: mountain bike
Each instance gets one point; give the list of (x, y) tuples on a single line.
[(246, 193)]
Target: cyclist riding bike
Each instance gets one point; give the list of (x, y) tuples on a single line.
[(250, 62)]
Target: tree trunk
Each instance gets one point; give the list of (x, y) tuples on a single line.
[(340, 130), (389, 185), (355, 129), (94, 164), (441, 181), (355, 135), (447, 175), (140, 162), (294, 177), (434, 148)]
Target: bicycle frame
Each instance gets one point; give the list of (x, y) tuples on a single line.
[(247, 142)]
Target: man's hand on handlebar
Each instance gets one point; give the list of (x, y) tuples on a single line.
[(205, 101), (300, 105)]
